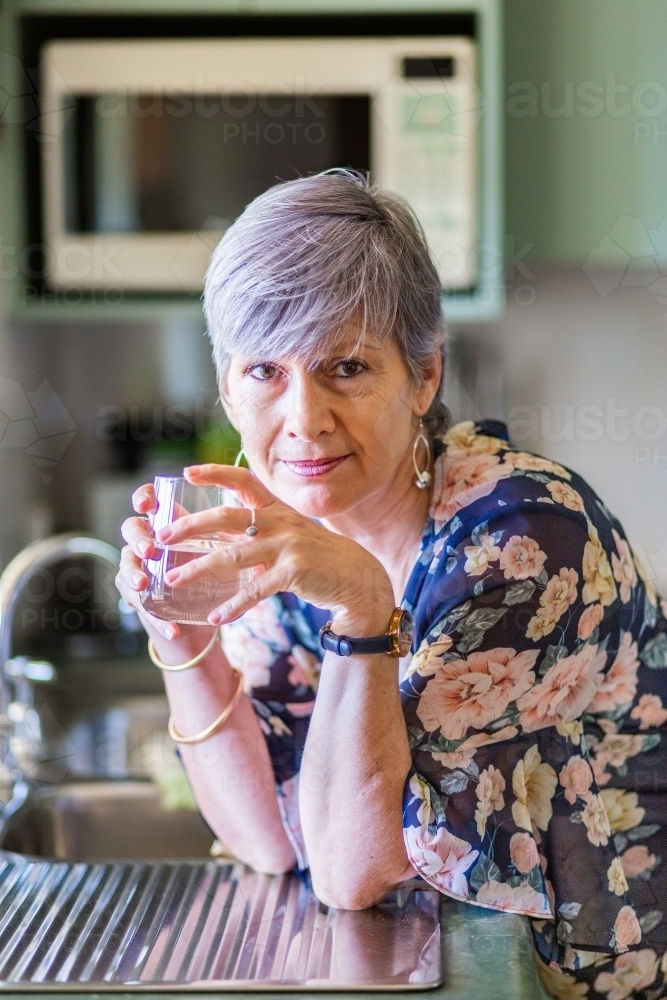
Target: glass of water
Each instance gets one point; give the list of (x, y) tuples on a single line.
[(190, 604)]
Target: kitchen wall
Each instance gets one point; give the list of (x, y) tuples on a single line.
[(577, 365), (582, 379), (586, 128)]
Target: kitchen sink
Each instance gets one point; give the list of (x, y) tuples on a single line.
[(104, 889), (92, 820)]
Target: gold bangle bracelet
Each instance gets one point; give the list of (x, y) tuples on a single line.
[(222, 718), (189, 663)]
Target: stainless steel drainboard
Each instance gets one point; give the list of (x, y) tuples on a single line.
[(175, 925)]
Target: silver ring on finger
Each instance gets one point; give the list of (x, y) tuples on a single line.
[(252, 528)]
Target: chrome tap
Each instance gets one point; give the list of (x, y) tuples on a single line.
[(19, 722)]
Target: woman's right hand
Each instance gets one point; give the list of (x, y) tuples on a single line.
[(241, 798), (132, 578)]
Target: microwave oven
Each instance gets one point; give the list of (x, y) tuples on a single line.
[(153, 148)]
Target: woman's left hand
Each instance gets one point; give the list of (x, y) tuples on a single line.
[(296, 555)]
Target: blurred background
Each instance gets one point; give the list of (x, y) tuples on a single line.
[(100, 388)]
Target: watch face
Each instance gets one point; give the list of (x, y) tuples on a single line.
[(405, 634)]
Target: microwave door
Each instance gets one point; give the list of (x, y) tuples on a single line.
[(142, 178)]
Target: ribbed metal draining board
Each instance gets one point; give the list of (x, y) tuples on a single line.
[(202, 925)]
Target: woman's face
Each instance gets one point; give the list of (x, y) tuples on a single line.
[(325, 439)]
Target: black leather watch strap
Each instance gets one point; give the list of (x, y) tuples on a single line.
[(345, 645)]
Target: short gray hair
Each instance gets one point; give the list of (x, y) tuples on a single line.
[(311, 255)]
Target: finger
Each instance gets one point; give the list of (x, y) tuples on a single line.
[(249, 595), (137, 533), (170, 630), (221, 564), (247, 487), (130, 595), (132, 571), (218, 519), (143, 499)]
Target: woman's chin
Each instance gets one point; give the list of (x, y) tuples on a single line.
[(313, 499)]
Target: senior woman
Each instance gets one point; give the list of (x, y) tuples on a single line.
[(511, 753)]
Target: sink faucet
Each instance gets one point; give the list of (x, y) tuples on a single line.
[(19, 723)]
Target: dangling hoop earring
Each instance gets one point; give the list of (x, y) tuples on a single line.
[(239, 458), (423, 475)]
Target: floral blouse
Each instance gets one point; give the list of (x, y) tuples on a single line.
[(535, 706)]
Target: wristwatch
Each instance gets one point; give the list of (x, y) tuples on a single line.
[(396, 641)]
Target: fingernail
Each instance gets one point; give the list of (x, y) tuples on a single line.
[(170, 632), (215, 618), (163, 534), (137, 579), (171, 576), (144, 547)]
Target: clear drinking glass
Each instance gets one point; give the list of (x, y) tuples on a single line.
[(191, 604)]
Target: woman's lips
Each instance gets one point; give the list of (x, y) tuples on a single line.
[(313, 466)]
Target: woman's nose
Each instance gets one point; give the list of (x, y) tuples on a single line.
[(307, 413)]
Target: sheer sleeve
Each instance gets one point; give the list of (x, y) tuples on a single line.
[(514, 641), (276, 647)]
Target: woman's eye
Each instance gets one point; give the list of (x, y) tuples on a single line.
[(264, 372), (349, 368)]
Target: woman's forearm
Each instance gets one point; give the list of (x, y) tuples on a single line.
[(353, 773), (230, 773)]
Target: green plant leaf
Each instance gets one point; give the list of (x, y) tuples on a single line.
[(482, 618), (651, 740), (472, 638), (539, 477), (484, 871), (650, 920), (533, 878), (456, 614), (552, 655), (454, 782), (650, 614), (478, 531), (639, 832), (654, 653), (508, 719), (519, 592), (415, 736)]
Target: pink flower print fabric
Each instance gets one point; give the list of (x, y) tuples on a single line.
[(535, 705)]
